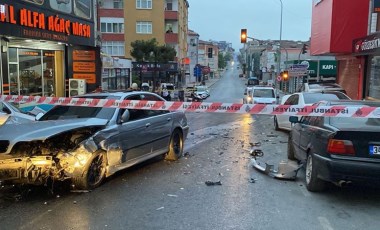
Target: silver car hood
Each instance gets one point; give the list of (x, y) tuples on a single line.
[(42, 130)]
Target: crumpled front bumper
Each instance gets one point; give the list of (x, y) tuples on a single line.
[(27, 170)]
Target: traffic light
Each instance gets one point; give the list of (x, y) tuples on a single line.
[(243, 36), (304, 49), (285, 75)]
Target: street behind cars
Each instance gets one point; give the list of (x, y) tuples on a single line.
[(341, 150), (304, 99), (87, 144)]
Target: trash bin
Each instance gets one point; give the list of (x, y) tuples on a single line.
[(181, 95)]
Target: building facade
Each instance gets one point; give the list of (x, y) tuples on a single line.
[(192, 53), (208, 58), (44, 44)]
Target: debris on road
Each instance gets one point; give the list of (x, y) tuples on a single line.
[(272, 135), (211, 183), (257, 144), (287, 170), (172, 195), (159, 208), (252, 180), (80, 191)]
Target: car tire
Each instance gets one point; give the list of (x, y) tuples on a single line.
[(290, 149), (313, 183), (93, 174), (276, 124), (175, 146)]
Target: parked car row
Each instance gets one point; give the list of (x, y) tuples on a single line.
[(339, 150)]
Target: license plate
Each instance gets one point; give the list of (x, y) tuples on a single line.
[(374, 149)]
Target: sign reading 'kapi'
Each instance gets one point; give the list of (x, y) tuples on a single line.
[(39, 20)]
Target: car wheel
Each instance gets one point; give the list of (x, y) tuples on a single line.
[(94, 172), (313, 183), (276, 124), (175, 146), (290, 149)]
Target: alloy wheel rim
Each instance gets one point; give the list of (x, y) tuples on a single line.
[(96, 170), (309, 168)]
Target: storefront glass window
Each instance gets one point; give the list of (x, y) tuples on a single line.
[(374, 79), (13, 77), (12, 52), (48, 69), (30, 70)]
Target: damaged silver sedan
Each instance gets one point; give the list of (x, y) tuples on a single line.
[(88, 144)]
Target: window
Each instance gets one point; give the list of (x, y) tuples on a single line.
[(115, 27), (118, 4), (113, 48), (144, 27), (143, 4), (169, 5)]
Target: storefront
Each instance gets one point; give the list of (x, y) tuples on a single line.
[(116, 73), (44, 43), (368, 48)]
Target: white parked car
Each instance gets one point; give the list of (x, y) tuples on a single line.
[(202, 91), (260, 95), (321, 87), (304, 99), (11, 114)]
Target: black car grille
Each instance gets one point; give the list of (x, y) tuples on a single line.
[(3, 146)]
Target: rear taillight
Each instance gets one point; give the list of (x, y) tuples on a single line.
[(343, 147)]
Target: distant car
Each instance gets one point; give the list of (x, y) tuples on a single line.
[(87, 144), (341, 150), (260, 95), (11, 114), (321, 86), (202, 91), (303, 99)]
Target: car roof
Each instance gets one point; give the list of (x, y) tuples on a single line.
[(354, 102), (262, 87)]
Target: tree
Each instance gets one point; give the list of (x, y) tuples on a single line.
[(221, 61), (150, 51)]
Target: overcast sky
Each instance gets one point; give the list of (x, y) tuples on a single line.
[(221, 20)]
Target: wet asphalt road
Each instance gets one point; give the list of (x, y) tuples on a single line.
[(173, 195)]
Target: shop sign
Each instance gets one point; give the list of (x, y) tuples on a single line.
[(376, 6), (151, 66), (43, 23), (367, 45)]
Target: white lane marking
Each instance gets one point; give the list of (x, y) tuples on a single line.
[(325, 223)]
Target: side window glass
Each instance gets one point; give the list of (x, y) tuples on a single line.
[(150, 97), (288, 102), (135, 114)]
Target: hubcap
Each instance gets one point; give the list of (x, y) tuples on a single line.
[(309, 168)]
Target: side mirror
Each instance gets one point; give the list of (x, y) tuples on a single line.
[(245, 93), (293, 119), (125, 116), (278, 97), (38, 116)]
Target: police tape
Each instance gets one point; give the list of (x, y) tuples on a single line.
[(207, 107)]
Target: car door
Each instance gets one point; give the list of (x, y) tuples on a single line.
[(296, 133), (283, 120), (161, 122), (134, 133)]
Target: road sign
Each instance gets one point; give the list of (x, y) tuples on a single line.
[(279, 78), (297, 70)]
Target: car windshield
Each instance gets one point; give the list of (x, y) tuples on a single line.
[(66, 112), (268, 93), (169, 87), (311, 98), (253, 82)]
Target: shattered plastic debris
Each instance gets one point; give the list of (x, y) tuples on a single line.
[(172, 195), (211, 183), (221, 153), (74, 202), (252, 180), (257, 144), (159, 208), (80, 191), (272, 135)]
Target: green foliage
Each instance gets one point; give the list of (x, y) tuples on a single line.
[(150, 51)]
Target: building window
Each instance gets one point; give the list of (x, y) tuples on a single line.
[(143, 4), (118, 4), (169, 5), (113, 48), (144, 27), (116, 28)]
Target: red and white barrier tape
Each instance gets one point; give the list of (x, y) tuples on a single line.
[(207, 107)]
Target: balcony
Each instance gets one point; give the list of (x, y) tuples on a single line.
[(171, 15), (116, 13), (171, 38)]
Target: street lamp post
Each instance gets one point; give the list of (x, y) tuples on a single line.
[(279, 56)]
